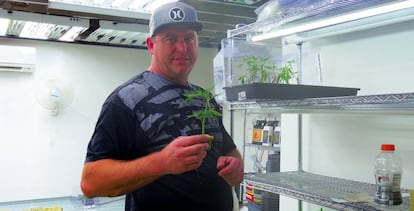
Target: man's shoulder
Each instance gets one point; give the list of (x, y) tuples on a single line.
[(140, 88), (133, 90)]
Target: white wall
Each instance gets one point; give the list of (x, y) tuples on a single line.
[(41, 155), (377, 61)]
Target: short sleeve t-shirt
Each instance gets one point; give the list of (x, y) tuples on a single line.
[(142, 116)]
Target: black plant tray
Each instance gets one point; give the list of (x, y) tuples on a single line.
[(268, 91)]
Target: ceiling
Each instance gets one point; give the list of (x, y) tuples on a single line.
[(110, 27)]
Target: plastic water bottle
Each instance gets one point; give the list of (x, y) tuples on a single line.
[(388, 171)]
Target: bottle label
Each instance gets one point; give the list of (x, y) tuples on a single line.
[(388, 180), (396, 182), (257, 135), (276, 137), (265, 136)]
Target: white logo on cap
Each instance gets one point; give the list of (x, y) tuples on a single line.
[(177, 14)]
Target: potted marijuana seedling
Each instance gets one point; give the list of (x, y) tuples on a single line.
[(208, 111), (257, 70), (268, 82), (285, 73), (260, 80)]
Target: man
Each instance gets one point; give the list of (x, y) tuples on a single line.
[(146, 146)]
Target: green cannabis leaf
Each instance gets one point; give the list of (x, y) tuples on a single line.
[(256, 67), (286, 73), (208, 111)]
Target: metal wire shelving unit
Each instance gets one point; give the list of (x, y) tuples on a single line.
[(399, 103), (336, 193)]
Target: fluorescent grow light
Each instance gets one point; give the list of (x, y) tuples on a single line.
[(36, 30), (72, 33), (4, 24)]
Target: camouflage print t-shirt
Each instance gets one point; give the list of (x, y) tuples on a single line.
[(144, 115)]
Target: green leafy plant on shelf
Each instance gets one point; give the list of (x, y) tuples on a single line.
[(257, 70), (286, 73), (208, 111)]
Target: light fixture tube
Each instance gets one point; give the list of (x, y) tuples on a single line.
[(336, 20), (72, 33), (36, 30), (4, 24), (367, 23), (99, 10)]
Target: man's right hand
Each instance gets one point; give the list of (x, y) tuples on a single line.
[(108, 177), (184, 153)]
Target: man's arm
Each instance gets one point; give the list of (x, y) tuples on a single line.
[(109, 177)]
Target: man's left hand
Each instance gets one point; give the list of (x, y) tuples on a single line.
[(231, 169)]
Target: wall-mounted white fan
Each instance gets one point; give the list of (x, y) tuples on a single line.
[(54, 94)]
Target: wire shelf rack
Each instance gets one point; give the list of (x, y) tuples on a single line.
[(396, 103), (331, 192)]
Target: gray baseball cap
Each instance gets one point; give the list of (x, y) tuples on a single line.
[(174, 14)]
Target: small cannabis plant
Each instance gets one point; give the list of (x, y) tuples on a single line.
[(208, 111), (286, 73), (257, 70)]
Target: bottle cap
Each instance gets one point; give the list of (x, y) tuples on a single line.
[(388, 147)]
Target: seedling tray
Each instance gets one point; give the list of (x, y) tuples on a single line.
[(268, 91)]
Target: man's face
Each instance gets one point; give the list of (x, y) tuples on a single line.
[(175, 52)]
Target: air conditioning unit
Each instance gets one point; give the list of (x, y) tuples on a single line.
[(17, 58)]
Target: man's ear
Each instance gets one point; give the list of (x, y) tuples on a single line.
[(150, 45)]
